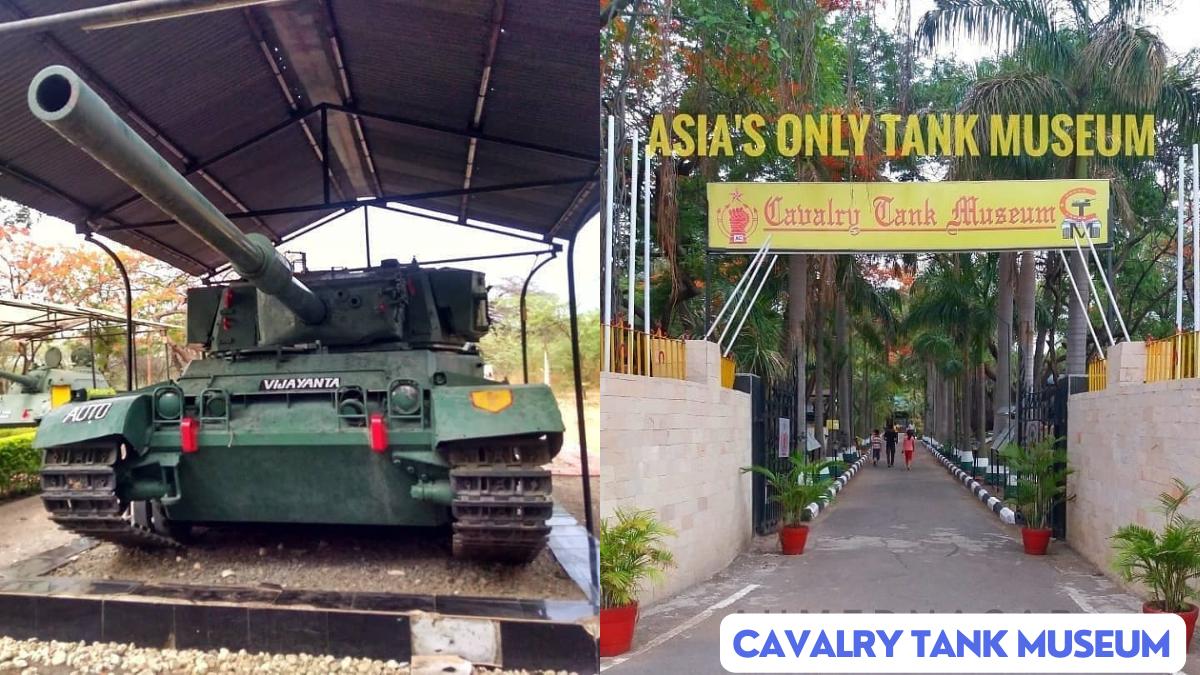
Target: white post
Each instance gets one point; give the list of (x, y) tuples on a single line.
[(750, 274), (646, 264), (758, 256), (1112, 297), (1196, 238), (1092, 282), (1079, 299), (1178, 253), (750, 307), (633, 207), (608, 260)]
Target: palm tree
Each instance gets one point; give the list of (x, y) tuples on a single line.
[(1069, 57)]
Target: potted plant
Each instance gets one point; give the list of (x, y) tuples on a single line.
[(802, 484), (1164, 562), (1041, 485), (631, 552)]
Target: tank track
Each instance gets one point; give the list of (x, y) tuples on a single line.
[(79, 490), (502, 498)]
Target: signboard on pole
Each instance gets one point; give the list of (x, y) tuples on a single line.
[(785, 437), (885, 217)]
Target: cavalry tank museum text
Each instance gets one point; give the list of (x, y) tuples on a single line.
[(838, 135)]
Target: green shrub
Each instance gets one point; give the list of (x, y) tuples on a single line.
[(16, 431), (19, 464)]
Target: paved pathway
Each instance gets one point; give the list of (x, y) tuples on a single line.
[(894, 540), (26, 530)]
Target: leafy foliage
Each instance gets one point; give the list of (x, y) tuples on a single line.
[(548, 333), (1166, 562), (1042, 471), (631, 552), (84, 275), (801, 485), (19, 464)]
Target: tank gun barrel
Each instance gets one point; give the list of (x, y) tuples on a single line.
[(23, 380), (64, 102)]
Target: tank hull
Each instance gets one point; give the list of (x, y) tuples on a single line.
[(277, 451)]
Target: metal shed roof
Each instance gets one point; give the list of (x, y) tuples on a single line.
[(283, 114), (37, 320)]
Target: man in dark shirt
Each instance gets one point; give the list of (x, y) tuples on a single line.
[(889, 437)]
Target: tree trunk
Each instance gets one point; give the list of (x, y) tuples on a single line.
[(981, 432), (797, 314), (1004, 340), (842, 359), (1077, 315), (1026, 307), (819, 367)]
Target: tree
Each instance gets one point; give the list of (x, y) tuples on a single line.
[(1076, 57)]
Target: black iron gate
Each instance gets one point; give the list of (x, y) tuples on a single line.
[(1042, 415), (774, 421)]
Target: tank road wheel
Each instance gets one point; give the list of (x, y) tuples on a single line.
[(152, 515), (502, 498), (79, 490)]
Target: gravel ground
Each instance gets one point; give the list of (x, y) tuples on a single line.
[(70, 658), (387, 560)]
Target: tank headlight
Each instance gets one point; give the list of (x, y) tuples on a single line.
[(406, 398), (169, 405)]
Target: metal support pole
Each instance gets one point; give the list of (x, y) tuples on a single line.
[(583, 454), (1179, 253), (633, 218), (325, 152), (646, 263), (751, 272), (121, 14), (608, 250), (1196, 238), (130, 346), (524, 322), (367, 232), (750, 307), (1079, 299), (707, 293), (1092, 284), (1112, 297), (754, 263), (92, 348)]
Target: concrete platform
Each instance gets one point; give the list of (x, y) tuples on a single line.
[(513, 633), (893, 541)]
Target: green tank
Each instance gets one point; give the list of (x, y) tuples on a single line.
[(32, 395), (343, 397)]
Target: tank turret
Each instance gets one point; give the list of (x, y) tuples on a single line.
[(58, 97), (352, 397)]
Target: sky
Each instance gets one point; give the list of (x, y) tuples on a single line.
[(339, 243), (1177, 27)]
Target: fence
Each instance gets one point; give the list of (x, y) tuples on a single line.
[(1172, 358), (633, 352), (728, 369), (1097, 375)]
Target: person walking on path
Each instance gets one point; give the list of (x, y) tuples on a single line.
[(890, 437), (876, 447), (910, 447)]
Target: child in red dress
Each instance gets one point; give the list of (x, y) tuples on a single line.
[(910, 447)]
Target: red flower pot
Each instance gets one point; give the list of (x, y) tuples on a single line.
[(1189, 619), (1036, 541), (792, 539), (616, 629)]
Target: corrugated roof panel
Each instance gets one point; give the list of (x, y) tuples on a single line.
[(203, 82)]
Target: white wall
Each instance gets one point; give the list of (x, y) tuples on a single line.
[(677, 447)]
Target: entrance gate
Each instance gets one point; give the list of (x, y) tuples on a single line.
[(774, 430), (1041, 415)]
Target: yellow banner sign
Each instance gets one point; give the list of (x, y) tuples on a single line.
[(907, 217)]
